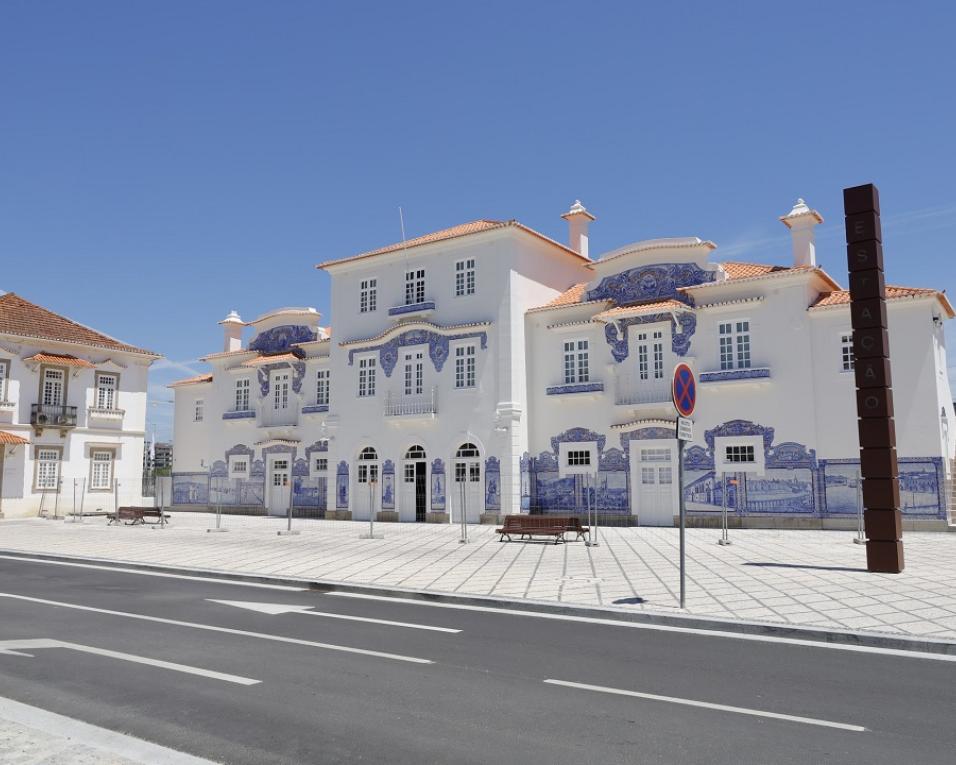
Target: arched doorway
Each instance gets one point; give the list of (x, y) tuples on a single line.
[(466, 492), (414, 493), (367, 484)]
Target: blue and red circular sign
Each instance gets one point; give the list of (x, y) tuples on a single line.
[(684, 390)]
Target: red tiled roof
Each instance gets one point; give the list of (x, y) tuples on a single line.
[(893, 292), (736, 270), (22, 318), (658, 305), (56, 358), (463, 229), (191, 381), (9, 439), (260, 360), (572, 296)]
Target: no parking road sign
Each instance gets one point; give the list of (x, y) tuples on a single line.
[(684, 390)]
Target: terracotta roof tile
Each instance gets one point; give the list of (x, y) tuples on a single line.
[(22, 318), (893, 292), (56, 358), (658, 305), (191, 381), (9, 439), (275, 358)]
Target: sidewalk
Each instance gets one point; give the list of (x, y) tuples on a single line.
[(807, 578)]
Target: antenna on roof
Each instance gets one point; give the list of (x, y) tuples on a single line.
[(401, 222)]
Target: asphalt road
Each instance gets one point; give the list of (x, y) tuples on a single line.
[(244, 686)]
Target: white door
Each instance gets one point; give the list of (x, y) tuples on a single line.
[(53, 388), (653, 477), (279, 401), (278, 489), (367, 490), (466, 489)]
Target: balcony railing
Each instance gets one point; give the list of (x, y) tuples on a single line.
[(272, 417), (403, 406), (631, 390), (52, 416)]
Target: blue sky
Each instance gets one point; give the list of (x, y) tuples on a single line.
[(164, 162)]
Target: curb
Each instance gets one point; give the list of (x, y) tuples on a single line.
[(809, 635)]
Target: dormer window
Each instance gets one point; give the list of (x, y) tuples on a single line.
[(415, 286)]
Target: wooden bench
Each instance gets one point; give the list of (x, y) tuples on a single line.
[(528, 526), (131, 515)]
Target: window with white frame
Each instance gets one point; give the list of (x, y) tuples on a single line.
[(321, 464), (658, 348), (48, 468), (415, 286), (465, 366), (465, 277), (846, 352), (242, 394), (368, 295), (198, 409), (368, 465), (106, 385), (650, 355), (414, 373), (366, 382), (576, 365), (739, 453), (410, 472), (101, 469), (280, 390), (239, 467), (322, 387), (579, 457), (54, 384), (734, 344), (4, 374)]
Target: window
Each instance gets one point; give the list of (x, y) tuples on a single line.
[(4, 374), (658, 356), (642, 367), (648, 352), (414, 373), (368, 466), (735, 344), (739, 454), (415, 286), (465, 366), (846, 351), (368, 295), (101, 470), (409, 473), (53, 381), (280, 390), (321, 464), (198, 410), (579, 457), (322, 387), (106, 391), (655, 455), (465, 277), (242, 394), (48, 468), (239, 467), (576, 366), (366, 385)]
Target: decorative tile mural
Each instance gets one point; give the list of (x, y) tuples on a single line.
[(298, 372), (388, 485), (921, 486), (656, 282), (190, 488), (282, 338), (616, 332), (342, 486), (492, 484), (437, 347), (438, 485)]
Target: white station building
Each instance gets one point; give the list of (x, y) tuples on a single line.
[(488, 369), (72, 414)]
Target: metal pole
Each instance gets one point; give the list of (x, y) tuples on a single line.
[(115, 496), (289, 530), (860, 538), (56, 499), (73, 514), (680, 495), (597, 520), (82, 499), (461, 504), (724, 538)]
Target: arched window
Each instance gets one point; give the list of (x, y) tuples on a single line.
[(367, 473), (368, 453), (415, 453), (467, 450), (470, 470)]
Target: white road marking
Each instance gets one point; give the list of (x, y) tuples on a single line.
[(226, 630), (282, 608), (161, 574), (11, 646), (902, 653), (708, 705), (100, 739)]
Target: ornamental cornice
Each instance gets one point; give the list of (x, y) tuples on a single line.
[(404, 326)]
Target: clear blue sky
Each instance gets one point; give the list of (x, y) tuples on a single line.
[(163, 162)]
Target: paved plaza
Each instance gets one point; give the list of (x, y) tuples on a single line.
[(812, 578)]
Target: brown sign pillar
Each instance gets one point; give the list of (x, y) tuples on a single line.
[(874, 392)]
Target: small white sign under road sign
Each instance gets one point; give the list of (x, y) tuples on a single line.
[(685, 429)]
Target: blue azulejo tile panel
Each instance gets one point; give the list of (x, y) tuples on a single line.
[(558, 390), (190, 488), (428, 305), (735, 374), (243, 414), (342, 486), (388, 490), (236, 491), (921, 486), (492, 484), (314, 408)]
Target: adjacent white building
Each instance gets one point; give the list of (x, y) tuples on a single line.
[(488, 369), (72, 414)]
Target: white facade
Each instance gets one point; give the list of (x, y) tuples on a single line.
[(487, 366), (72, 415)]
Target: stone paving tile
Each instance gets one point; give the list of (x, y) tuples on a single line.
[(799, 577)]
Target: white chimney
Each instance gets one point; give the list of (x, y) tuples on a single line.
[(578, 221), (801, 221), (232, 332)]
